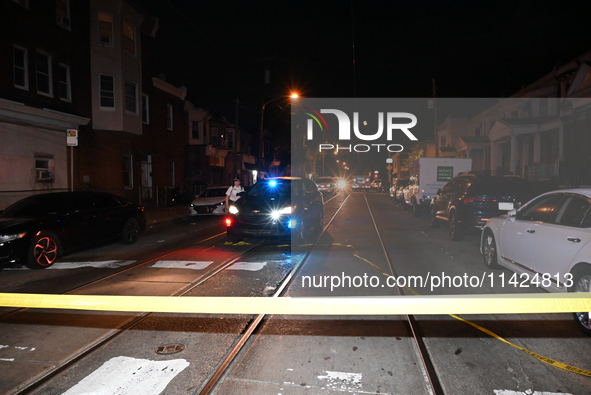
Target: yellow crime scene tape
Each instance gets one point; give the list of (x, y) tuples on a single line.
[(501, 300), (367, 305)]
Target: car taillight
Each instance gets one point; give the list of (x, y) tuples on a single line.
[(474, 199), (228, 221)]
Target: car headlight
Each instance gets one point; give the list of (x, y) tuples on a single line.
[(278, 213), (8, 238), (233, 210)]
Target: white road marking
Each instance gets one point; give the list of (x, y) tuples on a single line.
[(129, 376), (342, 380), (7, 359), (527, 392), (250, 266), (195, 265), (112, 264)]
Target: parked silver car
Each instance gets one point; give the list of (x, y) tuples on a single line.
[(210, 201)]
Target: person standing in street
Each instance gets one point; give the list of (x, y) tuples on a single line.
[(233, 191)]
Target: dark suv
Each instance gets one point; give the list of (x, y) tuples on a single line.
[(282, 206), (467, 201)]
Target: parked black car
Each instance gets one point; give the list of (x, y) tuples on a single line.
[(36, 230), (277, 207), (467, 201)]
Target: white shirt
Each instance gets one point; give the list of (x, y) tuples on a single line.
[(233, 192)]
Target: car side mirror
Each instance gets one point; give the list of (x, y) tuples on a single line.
[(439, 191), (512, 213)]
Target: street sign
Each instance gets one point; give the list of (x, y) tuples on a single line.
[(72, 137)]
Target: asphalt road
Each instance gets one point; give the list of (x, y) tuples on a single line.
[(288, 354)]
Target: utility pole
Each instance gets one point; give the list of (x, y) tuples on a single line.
[(435, 119)]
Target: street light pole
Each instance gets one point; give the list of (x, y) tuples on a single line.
[(262, 125)]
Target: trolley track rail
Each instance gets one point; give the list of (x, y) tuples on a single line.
[(253, 324)]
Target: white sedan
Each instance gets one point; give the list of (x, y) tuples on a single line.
[(210, 201), (546, 242)]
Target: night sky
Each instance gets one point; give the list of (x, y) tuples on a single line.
[(220, 50)]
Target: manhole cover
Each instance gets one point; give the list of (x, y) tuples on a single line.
[(170, 348)]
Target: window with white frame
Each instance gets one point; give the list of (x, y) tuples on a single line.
[(169, 120), (105, 26), (44, 168), (21, 68), (129, 38), (44, 77), (195, 130), (65, 90), (145, 109), (107, 91), (62, 13), (128, 171), (131, 97)]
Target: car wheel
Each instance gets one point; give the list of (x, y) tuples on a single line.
[(130, 232), (416, 209), (433, 222), (582, 283), (43, 251), (455, 231), (489, 250), (232, 235)]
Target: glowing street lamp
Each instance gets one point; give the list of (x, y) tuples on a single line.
[(293, 96)]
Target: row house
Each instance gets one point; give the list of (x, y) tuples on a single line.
[(538, 133), (42, 62), (217, 151), (82, 69)]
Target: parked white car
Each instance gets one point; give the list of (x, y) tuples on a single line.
[(210, 201), (545, 243)]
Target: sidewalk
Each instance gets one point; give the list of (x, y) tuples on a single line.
[(156, 215)]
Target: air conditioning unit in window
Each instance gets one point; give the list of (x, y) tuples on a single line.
[(44, 176)]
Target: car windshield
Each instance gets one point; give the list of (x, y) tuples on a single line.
[(272, 187), (35, 206), (213, 192)]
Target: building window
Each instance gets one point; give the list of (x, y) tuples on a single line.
[(230, 139), (107, 91), (195, 130), (62, 13), (128, 171), (131, 97), (169, 116), (105, 25), (172, 174), (43, 63), (43, 168), (145, 109), (215, 140), (21, 68), (65, 90), (129, 38)]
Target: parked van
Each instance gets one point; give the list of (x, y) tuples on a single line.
[(427, 176)]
